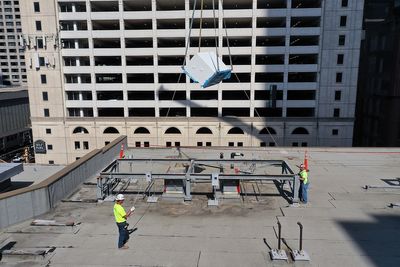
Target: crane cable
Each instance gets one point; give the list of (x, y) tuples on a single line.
[(216, 46), (186, 51), (216, 36), (234, 73), (201, 23)]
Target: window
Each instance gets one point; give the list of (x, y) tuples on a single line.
[(41, 61), (38, 25), (231, 144), (342, 40), (343, 21), (36, 6), (339, 77), (340, 59), (177, 143), (51, 161), (335, 131), (304, 144), (199, 143), (43, 78), (208, 143), (85, 145), (45, 96), (106, 143), (146, 144), (168, 144), (345, 3), (46, 112), (263, 144), (295, 144), (271, 144), (336, 112), (338, 95), (77, 145), (48, 131), (39, 43), (137, 144), (240, 144), (50, 147)]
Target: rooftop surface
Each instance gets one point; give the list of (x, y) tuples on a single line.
[(32, 174), (344, 224)]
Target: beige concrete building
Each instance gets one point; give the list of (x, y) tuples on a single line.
[(98, 69)]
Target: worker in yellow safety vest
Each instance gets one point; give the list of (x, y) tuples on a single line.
[(303, 175), (120, 218)]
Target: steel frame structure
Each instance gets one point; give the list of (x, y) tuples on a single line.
[(111, 176)]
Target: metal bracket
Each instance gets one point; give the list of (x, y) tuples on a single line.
[(148, 177), (152, 199), (215, 186), (278, 254), (300, 255), (215, 180)]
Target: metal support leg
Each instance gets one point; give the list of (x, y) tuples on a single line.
[(99, 192), (300, 255), (188, 196), (215, 186), (278, 254), (296, 186)]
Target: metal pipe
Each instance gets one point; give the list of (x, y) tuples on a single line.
[(279, 235), (301, 236)]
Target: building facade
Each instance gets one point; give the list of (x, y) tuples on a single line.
[(98, 69), (15, 129), (12, 58), (378, 100)]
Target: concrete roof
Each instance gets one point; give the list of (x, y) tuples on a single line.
[(344, 224), (7, 170), (13, 92)]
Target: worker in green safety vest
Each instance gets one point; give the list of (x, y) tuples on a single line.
[(303, 175), (120, 218)]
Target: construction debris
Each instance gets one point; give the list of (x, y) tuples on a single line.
[(52, 223)]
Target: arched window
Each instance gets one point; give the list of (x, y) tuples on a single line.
[(267, 130), (172, 130), (111, 130), (80, 130), (141, 130), (300, 130), (204, 130), (235, 130)]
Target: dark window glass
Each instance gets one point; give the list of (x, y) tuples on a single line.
[(36, 6), (339, 77), (340, 59), (45, 96), (38, 25), (342, 40), (338, 95), (343, 21), (336, 112), (43, 78)]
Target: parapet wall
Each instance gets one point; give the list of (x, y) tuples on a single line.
[(25, 203)]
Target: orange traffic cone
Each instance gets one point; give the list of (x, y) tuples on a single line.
[(306, 160), (121, 152)]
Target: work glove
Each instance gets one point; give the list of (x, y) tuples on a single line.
[(133, 208)]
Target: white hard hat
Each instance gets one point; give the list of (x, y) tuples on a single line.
[(120, 197)]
